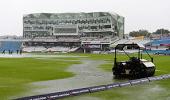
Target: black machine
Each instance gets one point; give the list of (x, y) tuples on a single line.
[(135, 67)]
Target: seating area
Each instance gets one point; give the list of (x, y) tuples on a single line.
[(58, 39), (58, 49), (73, 49), (163, 52), (104, 39), (121, 41), (28, 49), (13, 46), (51, 49), (160, 41), (39, 48)]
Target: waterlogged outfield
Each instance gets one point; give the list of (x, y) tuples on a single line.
[(162, 62), (15, 73), (158, 90)]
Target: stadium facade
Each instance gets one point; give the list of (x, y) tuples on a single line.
[(91, 31)]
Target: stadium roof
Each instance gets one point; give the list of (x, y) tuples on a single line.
[(69, 15)]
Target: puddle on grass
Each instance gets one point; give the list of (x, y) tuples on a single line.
[(151, 91), (58, 59), (87, 74), (35, 56)]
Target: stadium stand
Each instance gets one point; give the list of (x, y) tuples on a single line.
[(74, 49), (13, 46), (59, 49), (39, 48), (28, 49), (158, 42), (63, 31), (119, 41)]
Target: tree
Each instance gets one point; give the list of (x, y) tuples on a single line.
[(139, 33), (161, 31)]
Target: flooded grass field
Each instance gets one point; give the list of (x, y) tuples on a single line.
[(17, 73), (39, 74), (158, 90)]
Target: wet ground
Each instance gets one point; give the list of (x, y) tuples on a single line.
[(151, 91), (35, 56), (87, 74)]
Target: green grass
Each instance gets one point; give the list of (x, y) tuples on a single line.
[(141, 92), (158, 90), (95, 56), (162, 64), (16, 72)]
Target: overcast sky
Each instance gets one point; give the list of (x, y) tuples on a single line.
[(139, 14)]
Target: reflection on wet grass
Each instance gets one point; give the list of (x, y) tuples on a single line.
[(16, 72), (162, 64), (158, 90), (152, 91)]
